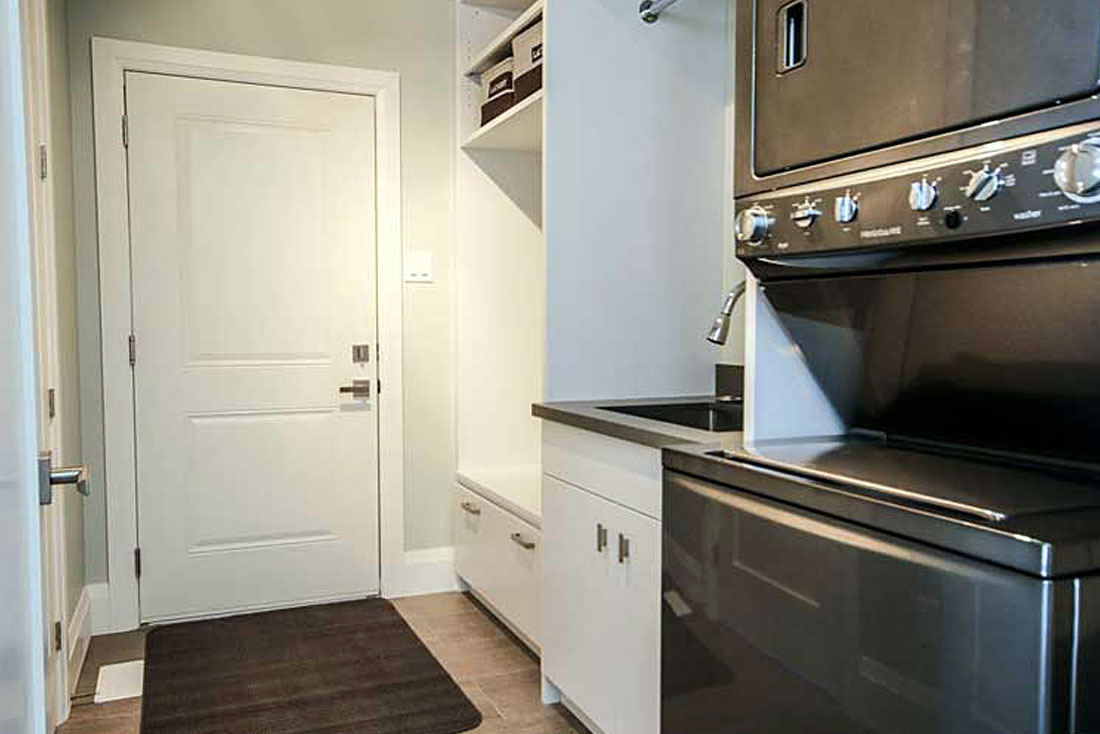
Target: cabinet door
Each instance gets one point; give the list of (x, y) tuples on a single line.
[(636, 623), (578, 592), (474, 557)]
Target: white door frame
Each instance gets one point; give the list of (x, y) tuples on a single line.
[(111, 59)]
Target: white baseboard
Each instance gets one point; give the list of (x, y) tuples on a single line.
[(99, 596), (79, 636), (427, 571)]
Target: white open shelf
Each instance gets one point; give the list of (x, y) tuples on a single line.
[(500, 47), (516, 5), (519, 129), (517, 489)]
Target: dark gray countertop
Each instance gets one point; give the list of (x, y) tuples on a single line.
[(588, 415), (1048, 544)]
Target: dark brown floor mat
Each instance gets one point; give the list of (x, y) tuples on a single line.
[(351, 668)]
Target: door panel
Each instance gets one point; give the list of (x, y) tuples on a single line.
[(578, 592), (637, 623), (23, 705), (789, 621), (878, 72), (253, 255)]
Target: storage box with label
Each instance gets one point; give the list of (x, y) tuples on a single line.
[(497, 91), (527, 50)]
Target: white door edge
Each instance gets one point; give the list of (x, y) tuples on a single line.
[(21, 669), (39, 138), (111, 59)]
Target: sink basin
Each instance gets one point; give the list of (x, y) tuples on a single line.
[(710, 416)]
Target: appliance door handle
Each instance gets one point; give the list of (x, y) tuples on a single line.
[(517, 538)]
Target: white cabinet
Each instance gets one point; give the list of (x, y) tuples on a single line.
[(498, 556), (601, 580)]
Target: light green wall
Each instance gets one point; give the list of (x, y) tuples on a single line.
[(413, 37)]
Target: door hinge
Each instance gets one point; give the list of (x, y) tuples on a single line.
[(42, 170), (57, 636), (132, 346), (379, 386), (125, 131), (137, 562), (51, 403)]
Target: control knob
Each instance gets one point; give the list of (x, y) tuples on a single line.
[(984, 184), (753, 225), (804, 215), (1077, 172), (922, 195), (845, 209)]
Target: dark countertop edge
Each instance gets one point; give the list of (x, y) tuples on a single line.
[(587, 415)]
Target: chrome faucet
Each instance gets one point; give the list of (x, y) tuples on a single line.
[(720, 331)]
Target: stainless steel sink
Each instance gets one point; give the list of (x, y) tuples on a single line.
[(710, 416)]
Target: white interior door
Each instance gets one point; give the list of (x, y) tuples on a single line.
[(54, 638), (22, 680), (252, 215)]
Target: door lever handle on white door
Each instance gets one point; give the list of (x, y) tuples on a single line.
[(48, 478), (358, 389)]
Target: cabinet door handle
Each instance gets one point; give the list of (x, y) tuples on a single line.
[(624, 548), (601, 537), (525, 544), (471, 508)]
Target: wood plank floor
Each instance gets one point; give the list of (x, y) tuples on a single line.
[(497, 672)]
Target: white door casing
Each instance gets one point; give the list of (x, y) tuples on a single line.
[(111, 61), (253, 270)]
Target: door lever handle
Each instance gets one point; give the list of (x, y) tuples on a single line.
[(48, 478), (359, 389)]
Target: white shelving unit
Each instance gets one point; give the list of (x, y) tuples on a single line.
[(513, 5), (500, 47), (500, 271), (518, 129)]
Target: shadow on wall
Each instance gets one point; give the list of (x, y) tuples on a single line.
[(511, 172)]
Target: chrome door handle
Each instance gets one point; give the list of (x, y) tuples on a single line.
[(601, 537), (525, 544), (471, 508), (624, 548), (48, 478), (358, 389)]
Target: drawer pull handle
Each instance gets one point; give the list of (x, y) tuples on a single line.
[(525, 544), (624, 548), (601, 537), (471, 508)]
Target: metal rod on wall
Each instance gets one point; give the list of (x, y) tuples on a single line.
[(651, 10)]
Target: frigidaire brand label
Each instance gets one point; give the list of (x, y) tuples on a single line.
[(876, 234)]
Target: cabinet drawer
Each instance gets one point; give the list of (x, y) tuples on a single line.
[(499, 556), (621, 471)]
